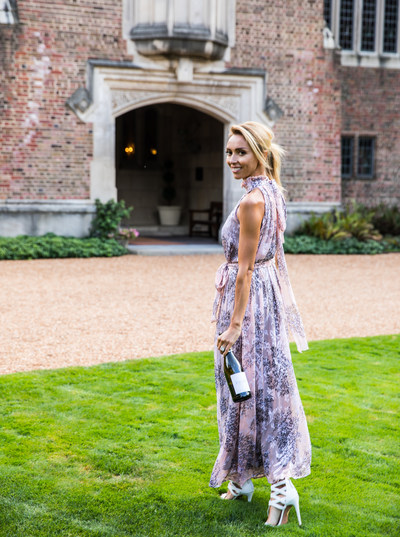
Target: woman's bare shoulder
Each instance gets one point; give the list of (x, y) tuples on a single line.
[(255, 197), (252, 206)]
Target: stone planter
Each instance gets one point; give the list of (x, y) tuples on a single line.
[(169, 215)]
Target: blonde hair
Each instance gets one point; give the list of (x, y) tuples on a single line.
[(260, 140)]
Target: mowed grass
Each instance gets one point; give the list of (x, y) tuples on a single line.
[(126, 449)]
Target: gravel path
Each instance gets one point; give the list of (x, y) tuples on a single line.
[(57, 313)]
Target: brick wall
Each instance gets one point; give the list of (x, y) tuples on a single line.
[(371, 107), (45, 150), (285, 38)]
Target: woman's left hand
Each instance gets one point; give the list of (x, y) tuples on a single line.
[(227, 339)]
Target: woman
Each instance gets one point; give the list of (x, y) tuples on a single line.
[(254, 308)]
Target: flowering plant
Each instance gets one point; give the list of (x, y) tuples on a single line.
[(124, 234)]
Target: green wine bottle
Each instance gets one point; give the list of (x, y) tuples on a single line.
[(236, 378)]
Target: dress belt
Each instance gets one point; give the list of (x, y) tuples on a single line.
[(221, 279)]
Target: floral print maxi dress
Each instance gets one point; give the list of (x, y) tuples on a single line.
[(266, 435)]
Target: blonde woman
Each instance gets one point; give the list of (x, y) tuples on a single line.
[(254, 308)]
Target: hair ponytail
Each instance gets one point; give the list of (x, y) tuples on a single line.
[(275, 162)]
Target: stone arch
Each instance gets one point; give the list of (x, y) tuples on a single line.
[(214, 109), (228, 96)]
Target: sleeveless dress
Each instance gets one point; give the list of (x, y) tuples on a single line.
[(267, 435)]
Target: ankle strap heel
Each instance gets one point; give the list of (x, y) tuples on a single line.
[(283, 496), (236, 491)]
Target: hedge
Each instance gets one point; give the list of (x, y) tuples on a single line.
[(304, 244), (54, 246)]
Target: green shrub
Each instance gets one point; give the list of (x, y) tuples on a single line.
[(53, 246), (386, 219), (108, 218), (304, 244), (357, 222), (321, 226), (354, 221), (392, 244)]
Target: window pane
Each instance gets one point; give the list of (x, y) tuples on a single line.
[(368, 25), (346, 24), (7, 15), (390, 27), (365, 165), (328, 12), (347, 156)]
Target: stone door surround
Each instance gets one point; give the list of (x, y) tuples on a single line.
[(231, 96)]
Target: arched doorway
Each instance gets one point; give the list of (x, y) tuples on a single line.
[(162, 140)]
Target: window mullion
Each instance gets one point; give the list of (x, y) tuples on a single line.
[(379, 27), (357, 25), (335, 20)]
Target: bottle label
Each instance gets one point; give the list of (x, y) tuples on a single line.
[(240, 383)]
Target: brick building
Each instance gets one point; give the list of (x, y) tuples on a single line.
[(108, 99)]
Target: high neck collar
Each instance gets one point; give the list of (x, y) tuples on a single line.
[(253, 182)]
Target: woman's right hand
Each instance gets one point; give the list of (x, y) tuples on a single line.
[(227, 339)]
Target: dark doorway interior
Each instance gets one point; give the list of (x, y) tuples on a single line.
[(168, 145)]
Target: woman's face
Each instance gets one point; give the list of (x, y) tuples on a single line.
[(241, 159)]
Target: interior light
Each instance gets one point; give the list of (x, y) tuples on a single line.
[(153, 151), (130, 149)]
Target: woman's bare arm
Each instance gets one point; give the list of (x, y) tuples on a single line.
[(250, 215)]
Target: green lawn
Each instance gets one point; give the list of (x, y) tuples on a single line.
[(127, 449)]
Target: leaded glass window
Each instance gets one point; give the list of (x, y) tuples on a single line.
[(328, 13), (390, 26), (346, 28), (347, 156), (7, 12), (368, 25), (365, 161)]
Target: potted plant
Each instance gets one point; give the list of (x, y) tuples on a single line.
[(124, 235), (169, 214)]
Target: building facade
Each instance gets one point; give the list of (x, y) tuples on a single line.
[(124, 99)]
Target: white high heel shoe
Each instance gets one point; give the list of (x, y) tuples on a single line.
[(246, 490), (283, 496)]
